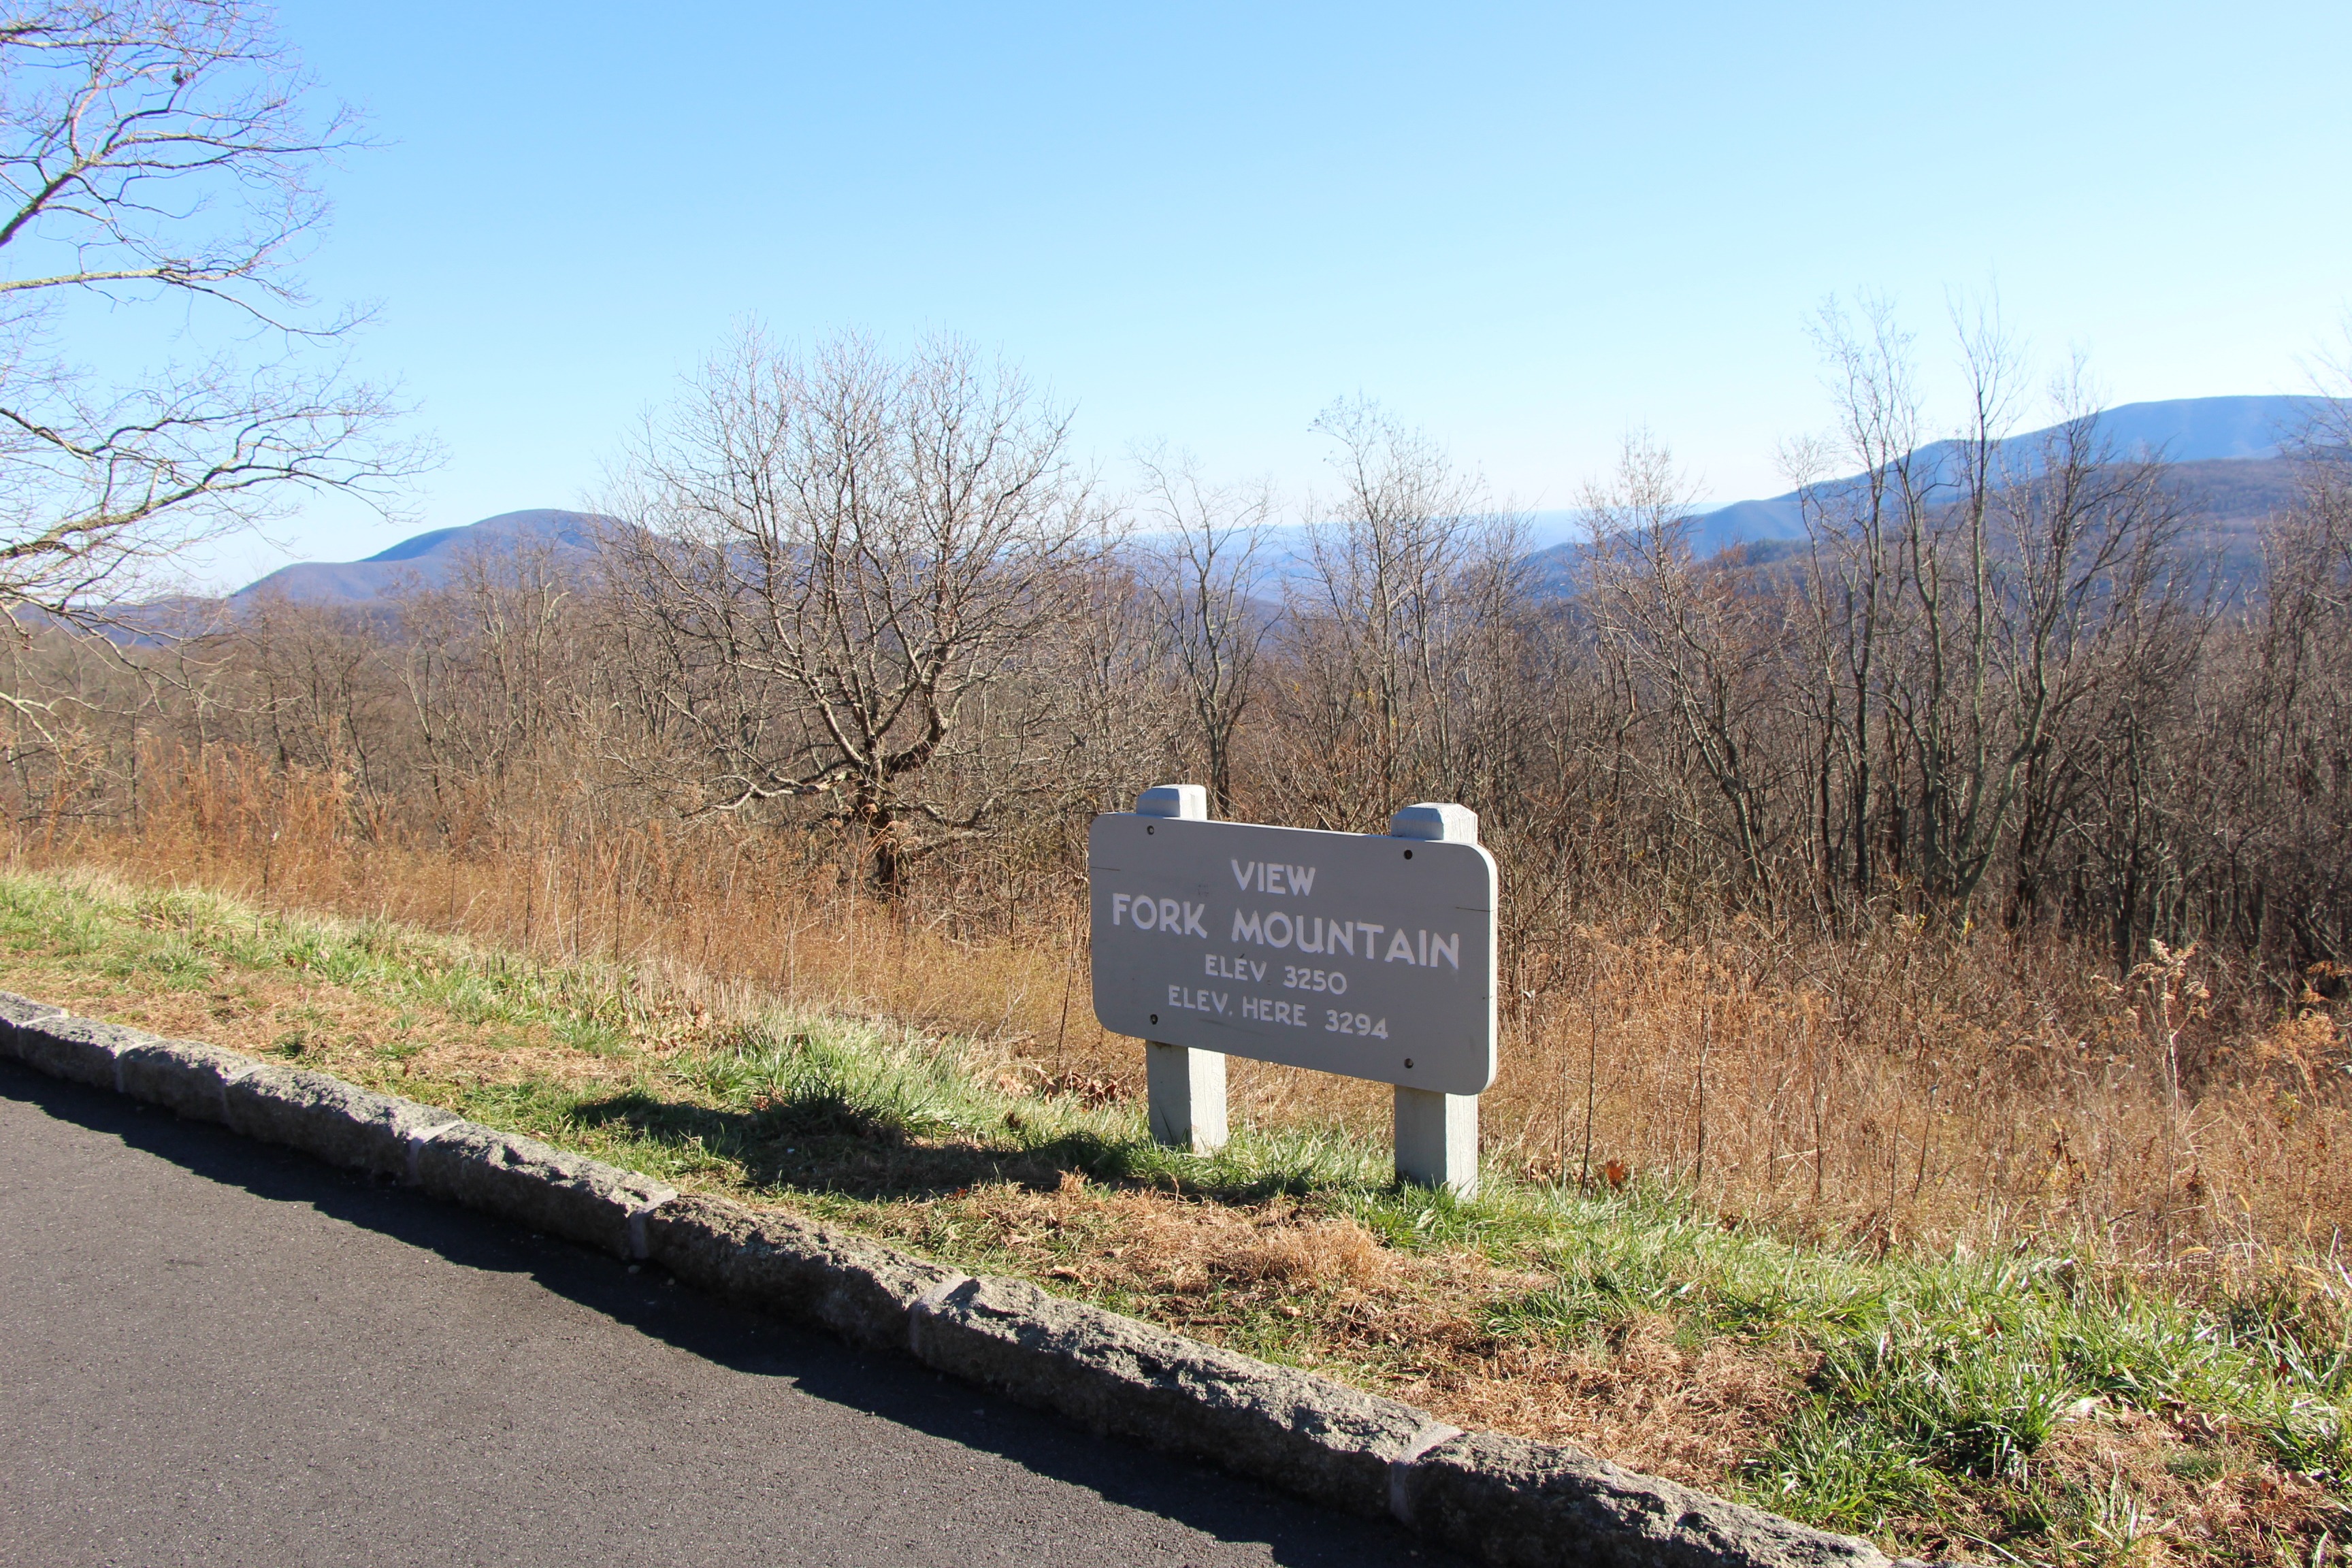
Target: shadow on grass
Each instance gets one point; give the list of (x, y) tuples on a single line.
[(823, 1139)]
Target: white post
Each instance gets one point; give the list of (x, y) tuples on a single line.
[(1437, 1134), (1188, 1096), (1437, 1139), (1186, 1088)]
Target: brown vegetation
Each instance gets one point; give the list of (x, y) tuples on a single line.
[(1978, 872)]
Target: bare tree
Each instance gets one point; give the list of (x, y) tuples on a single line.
[(1374, 622), (839, 555), (1205, 575), (163, 154), (1696, 645), (1980, 614), (1854, 529), (309, 686), (492, 666)]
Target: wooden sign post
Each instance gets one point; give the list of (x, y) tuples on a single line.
[(1364, 954)]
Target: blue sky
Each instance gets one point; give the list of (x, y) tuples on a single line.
[(1524, 228)]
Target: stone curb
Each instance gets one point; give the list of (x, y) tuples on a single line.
[(1505, 1500), (781, 1263), (1116, 1376), (523, 1179)]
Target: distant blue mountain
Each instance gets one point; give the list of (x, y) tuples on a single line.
[(2192, 431), (2204, 429), (2176, 430), (431, 559)]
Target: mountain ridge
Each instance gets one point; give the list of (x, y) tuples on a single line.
[(2229, 449), (431, 558), (2226, 450)]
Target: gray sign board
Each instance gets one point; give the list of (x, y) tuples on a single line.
[(1345, 953)]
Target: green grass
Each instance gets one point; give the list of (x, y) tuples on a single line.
[(1935, 1388)]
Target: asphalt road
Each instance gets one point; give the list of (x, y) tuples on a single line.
[(220, 1353)]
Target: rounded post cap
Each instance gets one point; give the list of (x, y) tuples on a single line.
[(1188, 803), (1438, 822)]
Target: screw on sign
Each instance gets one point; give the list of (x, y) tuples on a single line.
[(1344, 952)]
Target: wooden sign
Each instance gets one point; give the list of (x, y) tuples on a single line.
[(1347, 952)]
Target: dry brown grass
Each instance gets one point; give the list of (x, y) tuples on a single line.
[(1410, 1323), (1912, 1087)]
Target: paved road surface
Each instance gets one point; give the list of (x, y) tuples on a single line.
[(220, 1353)]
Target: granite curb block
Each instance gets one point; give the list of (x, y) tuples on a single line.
[(1505, 1500), (181, 1076), (1119, 1377), (859, 1289), (521, 1178), (1519, 1504), (332, 1120)]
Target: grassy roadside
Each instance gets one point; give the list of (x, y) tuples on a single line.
[(2039, 1408)]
